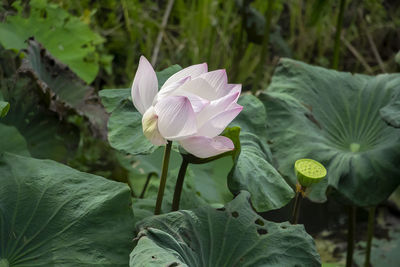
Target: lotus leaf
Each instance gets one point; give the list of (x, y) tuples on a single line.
[(52, 215), (333, 117), (232, 236)]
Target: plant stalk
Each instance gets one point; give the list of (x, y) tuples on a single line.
[(296, 208), (351, 235), (265, 46), (339, 24), (163, 178), (179, 185), (371, 224), (146, 184)]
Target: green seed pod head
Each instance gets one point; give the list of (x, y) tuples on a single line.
[(309, 171)]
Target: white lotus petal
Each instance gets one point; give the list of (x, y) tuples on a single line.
[(192, 71), (145, 86), (199, 87), (205, 147), (218, 123), (150, 127), (198, 103), (216, 78), (229, 89), (176, 117), (215, 107), (170, 89)]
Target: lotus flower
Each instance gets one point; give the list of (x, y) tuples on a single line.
[(192, 107)]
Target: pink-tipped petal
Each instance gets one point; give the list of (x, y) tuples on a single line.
[(199, 87), (205, 147), (145, 86), (170, 89), (198, 103), (229, 89), (176, 117), (192, 71), (215, 107), (218, 123), (216, 78)]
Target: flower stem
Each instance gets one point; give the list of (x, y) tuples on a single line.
[(339, 23), (179, 185), (163, 178), (350, 235), (371, 220), (296, 208), (146, 184)]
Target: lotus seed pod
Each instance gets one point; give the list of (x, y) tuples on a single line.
[(309, 171)]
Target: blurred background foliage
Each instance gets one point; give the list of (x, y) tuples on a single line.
[(102, 40)]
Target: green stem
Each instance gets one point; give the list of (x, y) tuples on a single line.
[(296, 208), (351, 235), (371, 220), (146, 184), (339, 24), (163, 178), (265, 45), (179, 184)]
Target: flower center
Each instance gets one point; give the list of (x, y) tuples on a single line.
[(150, 127)]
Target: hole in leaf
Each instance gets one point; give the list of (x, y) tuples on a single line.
[(259, 222), (283, 227), (174, 264), (235, 214), (153, 257), (221, 209), (261, 231)]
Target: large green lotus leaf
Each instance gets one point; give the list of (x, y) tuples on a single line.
[(125, 130), (391, 113), (52, 215), (125, 123), (253, 172), (232, 236), (210, 180), (333, 117), (12, 141), (253, 116), (68, 93), (112, 98), (67, 38)]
